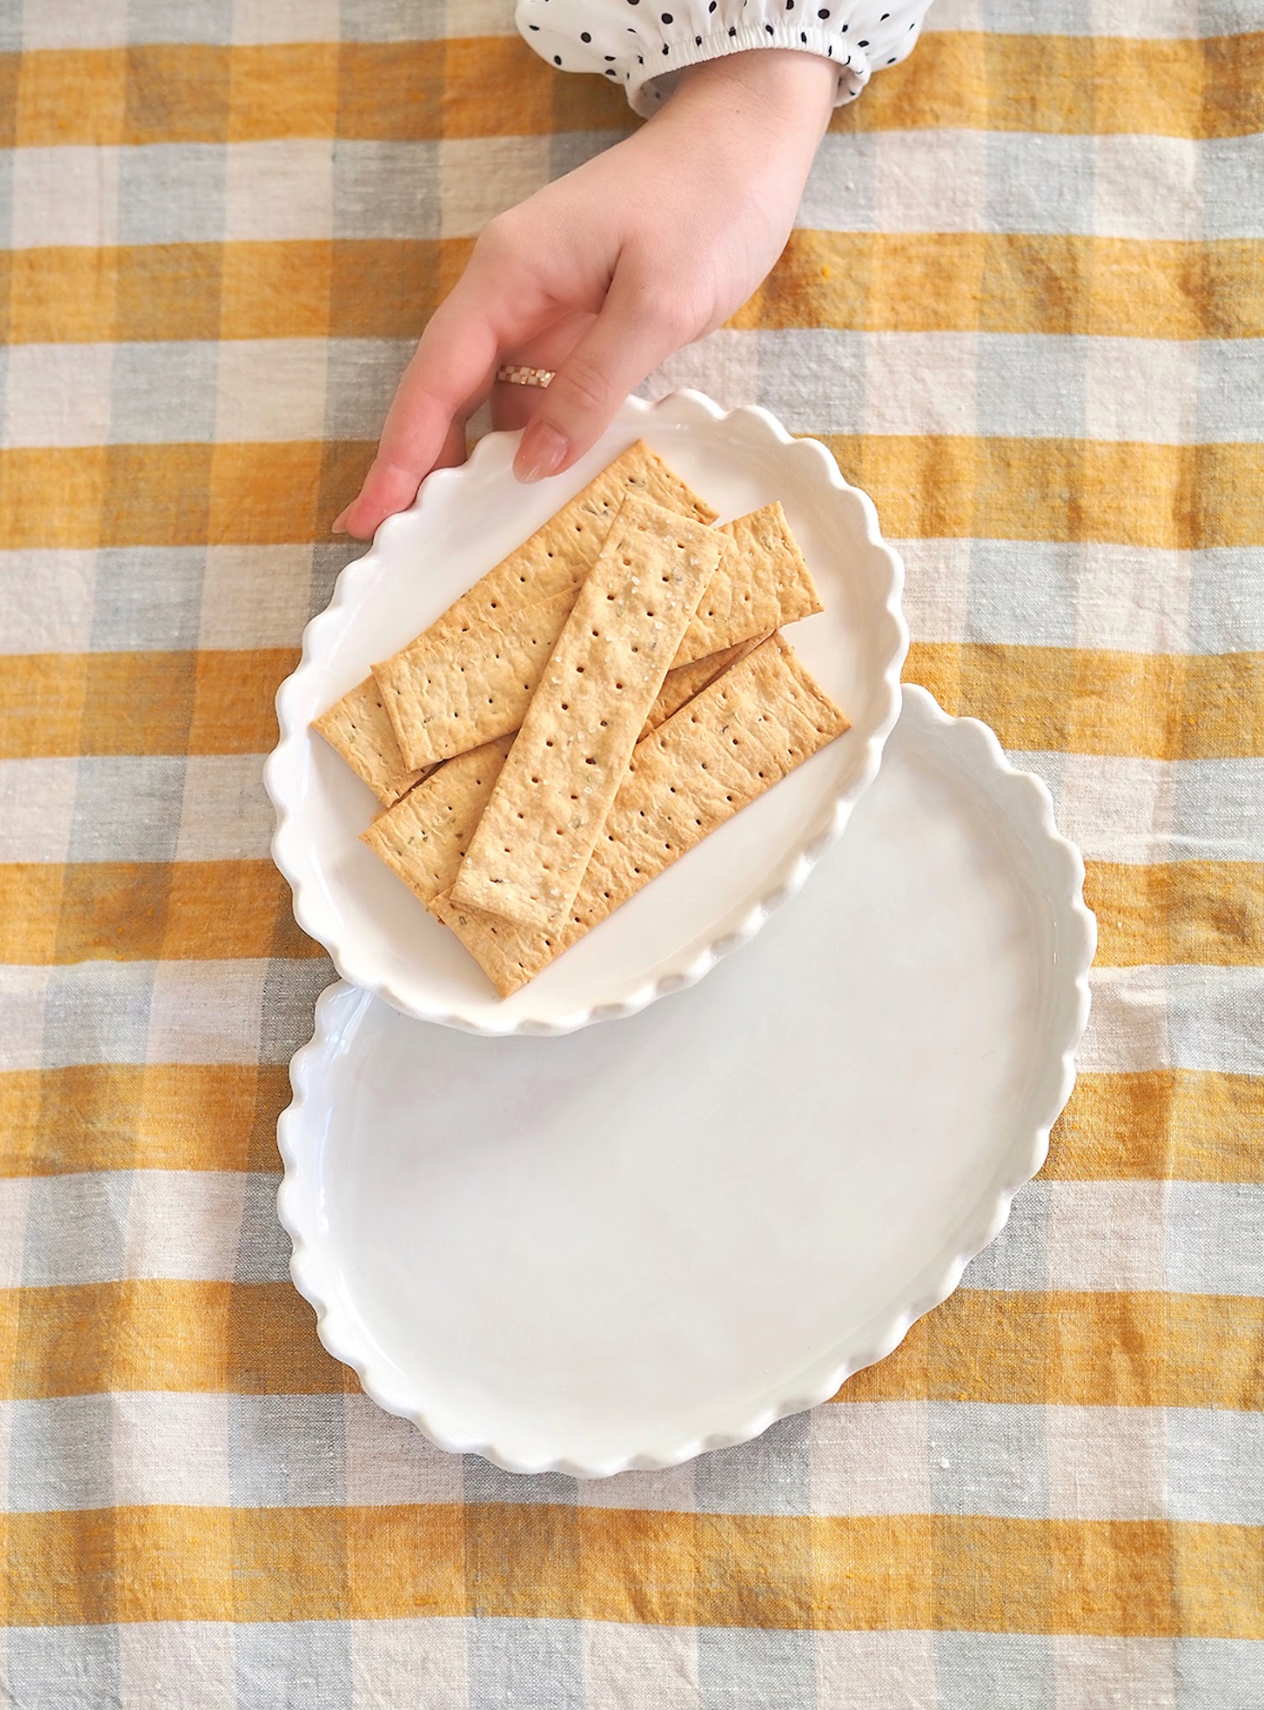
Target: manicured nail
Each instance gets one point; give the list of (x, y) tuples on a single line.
[(541, 453)]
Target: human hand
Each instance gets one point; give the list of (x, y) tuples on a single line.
[(608, 271)]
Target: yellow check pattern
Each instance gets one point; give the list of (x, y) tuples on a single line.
[(1024, 306)]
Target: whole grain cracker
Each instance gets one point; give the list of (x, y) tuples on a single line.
[(457, 695), (762, 584), (528, 856), (463, 691), (423, 838), (358, 728), (752, 726), (683, 682), (415, 683)]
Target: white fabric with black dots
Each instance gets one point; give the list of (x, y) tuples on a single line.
[(645, 44)]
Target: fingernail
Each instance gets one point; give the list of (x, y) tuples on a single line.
[(339, 524), (541, 453)]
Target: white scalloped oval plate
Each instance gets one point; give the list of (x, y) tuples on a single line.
[(625, 1247), (465, 520)]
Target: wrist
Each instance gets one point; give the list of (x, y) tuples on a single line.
[(775, 96)]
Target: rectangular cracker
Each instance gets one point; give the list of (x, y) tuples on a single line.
[(752, 726), (458, 693), (762, 584), (423, 838), (487, 681), (358, 728), (683, 682), (536, 836), (418, 681)]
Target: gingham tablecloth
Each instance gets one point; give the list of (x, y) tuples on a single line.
[(1024, 307)]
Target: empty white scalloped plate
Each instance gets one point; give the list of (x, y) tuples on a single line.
[(624, 1247), (465, 521)]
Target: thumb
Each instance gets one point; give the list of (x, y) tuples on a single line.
[(627, 341)]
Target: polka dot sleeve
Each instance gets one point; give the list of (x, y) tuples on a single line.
[(643, 45)]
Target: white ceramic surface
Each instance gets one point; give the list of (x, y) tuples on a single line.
[(466, 520), (624, 1247)]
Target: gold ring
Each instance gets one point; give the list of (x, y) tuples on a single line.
[(514, 374)]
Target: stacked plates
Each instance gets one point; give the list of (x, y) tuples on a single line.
[(687, 1218)]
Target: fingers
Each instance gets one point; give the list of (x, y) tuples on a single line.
[(449, 375), (452, 450), (513, 406), (630, 337), (450, 367)]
